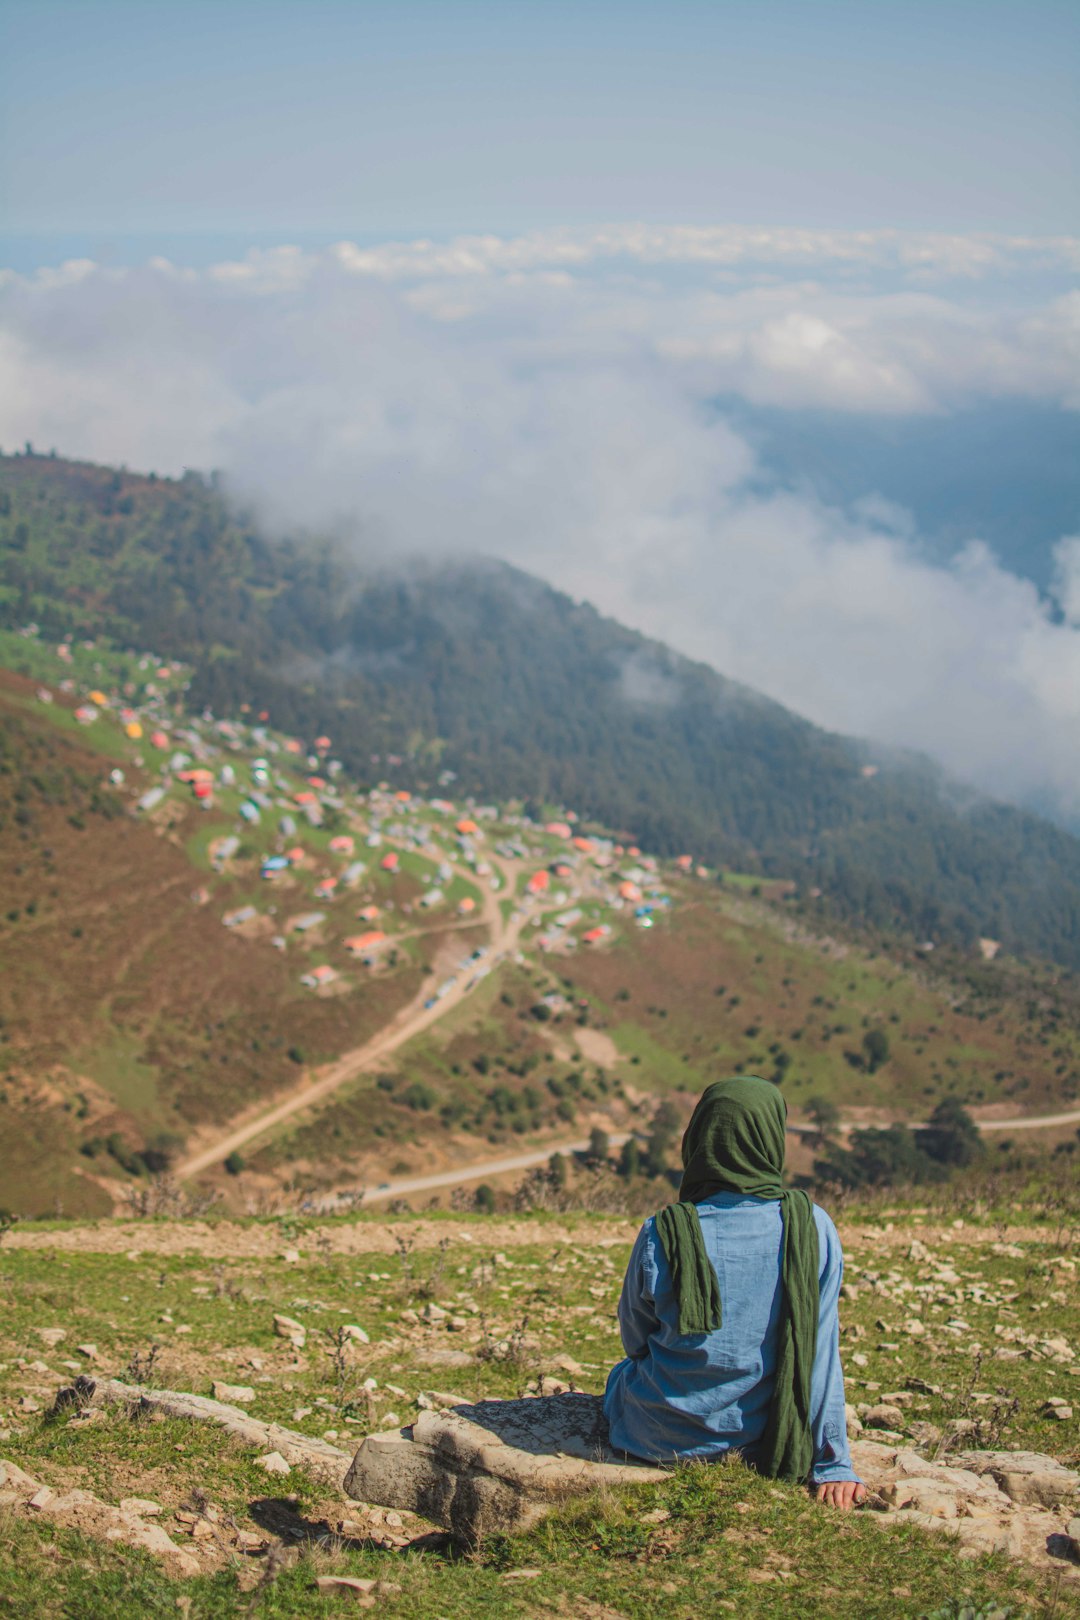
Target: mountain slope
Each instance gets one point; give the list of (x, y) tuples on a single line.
[(482, 670)]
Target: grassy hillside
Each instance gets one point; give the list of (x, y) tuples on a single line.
[(534, 1297), (138, 1027), (482, 670)]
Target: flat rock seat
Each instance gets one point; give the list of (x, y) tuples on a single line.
[(495, 1465)]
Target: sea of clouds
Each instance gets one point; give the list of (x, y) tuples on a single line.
[(551, 400)]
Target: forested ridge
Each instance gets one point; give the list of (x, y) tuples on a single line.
[(478, 668)]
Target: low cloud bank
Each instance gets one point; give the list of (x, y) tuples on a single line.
[(548, 401)]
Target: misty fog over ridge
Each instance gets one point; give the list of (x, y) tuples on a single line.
[(551, 400)]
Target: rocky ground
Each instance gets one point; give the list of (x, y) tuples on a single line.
[(960, 1348)]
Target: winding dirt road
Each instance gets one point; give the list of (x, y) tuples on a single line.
[(409, 1022), (415, 1019)]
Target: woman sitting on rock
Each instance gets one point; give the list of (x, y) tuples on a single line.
[(729, 1310)]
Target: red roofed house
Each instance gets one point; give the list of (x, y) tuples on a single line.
[(391, 862), (368, 913), (342, 844), (359, 943), (539, 883), (465, 826)]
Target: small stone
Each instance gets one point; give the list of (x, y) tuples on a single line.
[(141, 1506), (656, 1516), (291, 1256), (409, 1317), (883, 1416), (90, 1351), (519, 1574), (357, 1334), (237, 1394), (27, 1403), (41, 1498), (854, 1422), (51, 1336), (433, 1313), (930, 1496), (457, 1324), (1058, 1410), (348, 1586), (13, 1478), (273, 1463), (287, 1327)]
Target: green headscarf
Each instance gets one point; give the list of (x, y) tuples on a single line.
[(735, 1143)]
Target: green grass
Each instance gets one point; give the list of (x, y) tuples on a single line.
[(722, 1537), (116, 1064)]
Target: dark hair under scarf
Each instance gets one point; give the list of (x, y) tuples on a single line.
[(735, 1143)]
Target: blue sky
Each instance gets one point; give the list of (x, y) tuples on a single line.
[(253, 120)]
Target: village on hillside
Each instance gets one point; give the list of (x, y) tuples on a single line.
[(339, 876)]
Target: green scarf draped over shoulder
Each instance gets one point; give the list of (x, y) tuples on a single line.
[(735, 1143)]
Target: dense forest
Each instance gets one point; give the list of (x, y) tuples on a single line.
[(480, 669)]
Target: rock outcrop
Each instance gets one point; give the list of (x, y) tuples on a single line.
[(318, 1458), (501, 1465), (495, 1465), (82, 1510)]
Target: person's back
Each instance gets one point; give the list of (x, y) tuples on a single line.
[(703, 1394), (701, 1376)]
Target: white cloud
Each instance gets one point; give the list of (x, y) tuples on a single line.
[(546, 400)]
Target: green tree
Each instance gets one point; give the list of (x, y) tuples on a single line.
[(484, 1199), (630, 1159), (234, 1163), (662, 1133), (875, 1044), (951, 1136), (825, 1115), (557, 1171), (599, 1145)]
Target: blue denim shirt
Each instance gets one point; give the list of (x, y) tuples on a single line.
[(703, 1394)]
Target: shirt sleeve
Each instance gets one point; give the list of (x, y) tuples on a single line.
[(637, 1309), (832, 1457)]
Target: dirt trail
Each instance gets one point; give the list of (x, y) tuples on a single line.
[(224, 1240), (408, 1022), (414, 1019)]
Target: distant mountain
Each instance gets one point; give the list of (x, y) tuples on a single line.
[(480, 669)]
